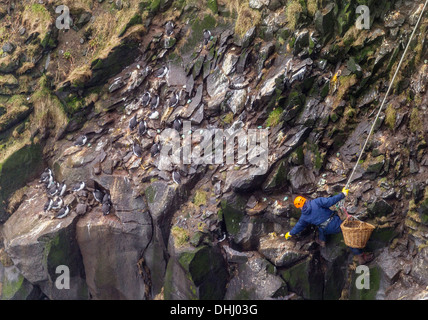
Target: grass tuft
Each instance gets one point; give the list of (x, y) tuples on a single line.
[(274, 117), (246, 17), (292, 11)]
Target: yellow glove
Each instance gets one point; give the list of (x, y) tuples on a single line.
[(287, 236), (345, 192)]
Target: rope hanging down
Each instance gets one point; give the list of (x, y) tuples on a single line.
[(386, 96)]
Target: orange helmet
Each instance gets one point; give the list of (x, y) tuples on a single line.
[(299, 202)]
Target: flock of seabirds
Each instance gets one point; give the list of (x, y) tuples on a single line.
[(56, 190)]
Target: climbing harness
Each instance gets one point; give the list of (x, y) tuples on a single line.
[(326, 222), (386, 95)]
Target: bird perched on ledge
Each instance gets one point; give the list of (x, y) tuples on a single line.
[(63, 212), (81, 141)]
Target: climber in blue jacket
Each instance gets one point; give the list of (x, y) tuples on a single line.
[(317, 212)]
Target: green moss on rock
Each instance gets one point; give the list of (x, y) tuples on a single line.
[(232, 213), (198, 25), (212, 5), (20, 167), (207, 271), (379, 208), (381, 237), (366, 294), (305, 279), (17, 110), (278, 177), (136, 19)]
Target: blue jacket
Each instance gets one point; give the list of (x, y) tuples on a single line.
[(316, 212)]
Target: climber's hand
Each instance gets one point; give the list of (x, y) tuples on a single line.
[(287, 236), (345, 192)]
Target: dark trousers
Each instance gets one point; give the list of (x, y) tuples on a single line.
[(332, 228)]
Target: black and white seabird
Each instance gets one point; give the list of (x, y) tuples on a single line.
[(169, 28), (98, 195), (63, 213), (133, 122), (223, 237), (161, 72), (145, 99), (48, 205), (137, 150), (155, 149), (106, 208), (44, 178), (78, 186), (176, 177), (142, 128), (173, 101), (46, 175), (81, 141), (154, 102), (52, 191), (62, 188), (57, 204), (207, 36), (177, 125), (50, 182), (106, 204), (106, 198)]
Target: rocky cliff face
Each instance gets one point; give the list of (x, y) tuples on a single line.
[(300, 69)]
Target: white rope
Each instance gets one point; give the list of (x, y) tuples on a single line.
[(386, 96)]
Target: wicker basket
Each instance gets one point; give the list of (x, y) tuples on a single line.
[(356, 233)]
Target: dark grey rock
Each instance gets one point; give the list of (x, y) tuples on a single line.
[(196, 101), (217, 82), (379, 208), (246, 283), (302, 41), (9, 47), (234, 256), (81, 209), (324, 20), (302, 179), (83, 19)]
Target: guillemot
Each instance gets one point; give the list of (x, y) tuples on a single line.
[(154, 102), (81, 141), (145, 99), (155, 149), (98, 195), (173, 101), (142, 128), (169, 28), (207, 36), (176, 177), (161, 72), (63, 213), (137, 150), (78, 186), (133, 122)]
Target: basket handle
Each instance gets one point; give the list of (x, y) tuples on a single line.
[(346, 211), (341, 205)]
